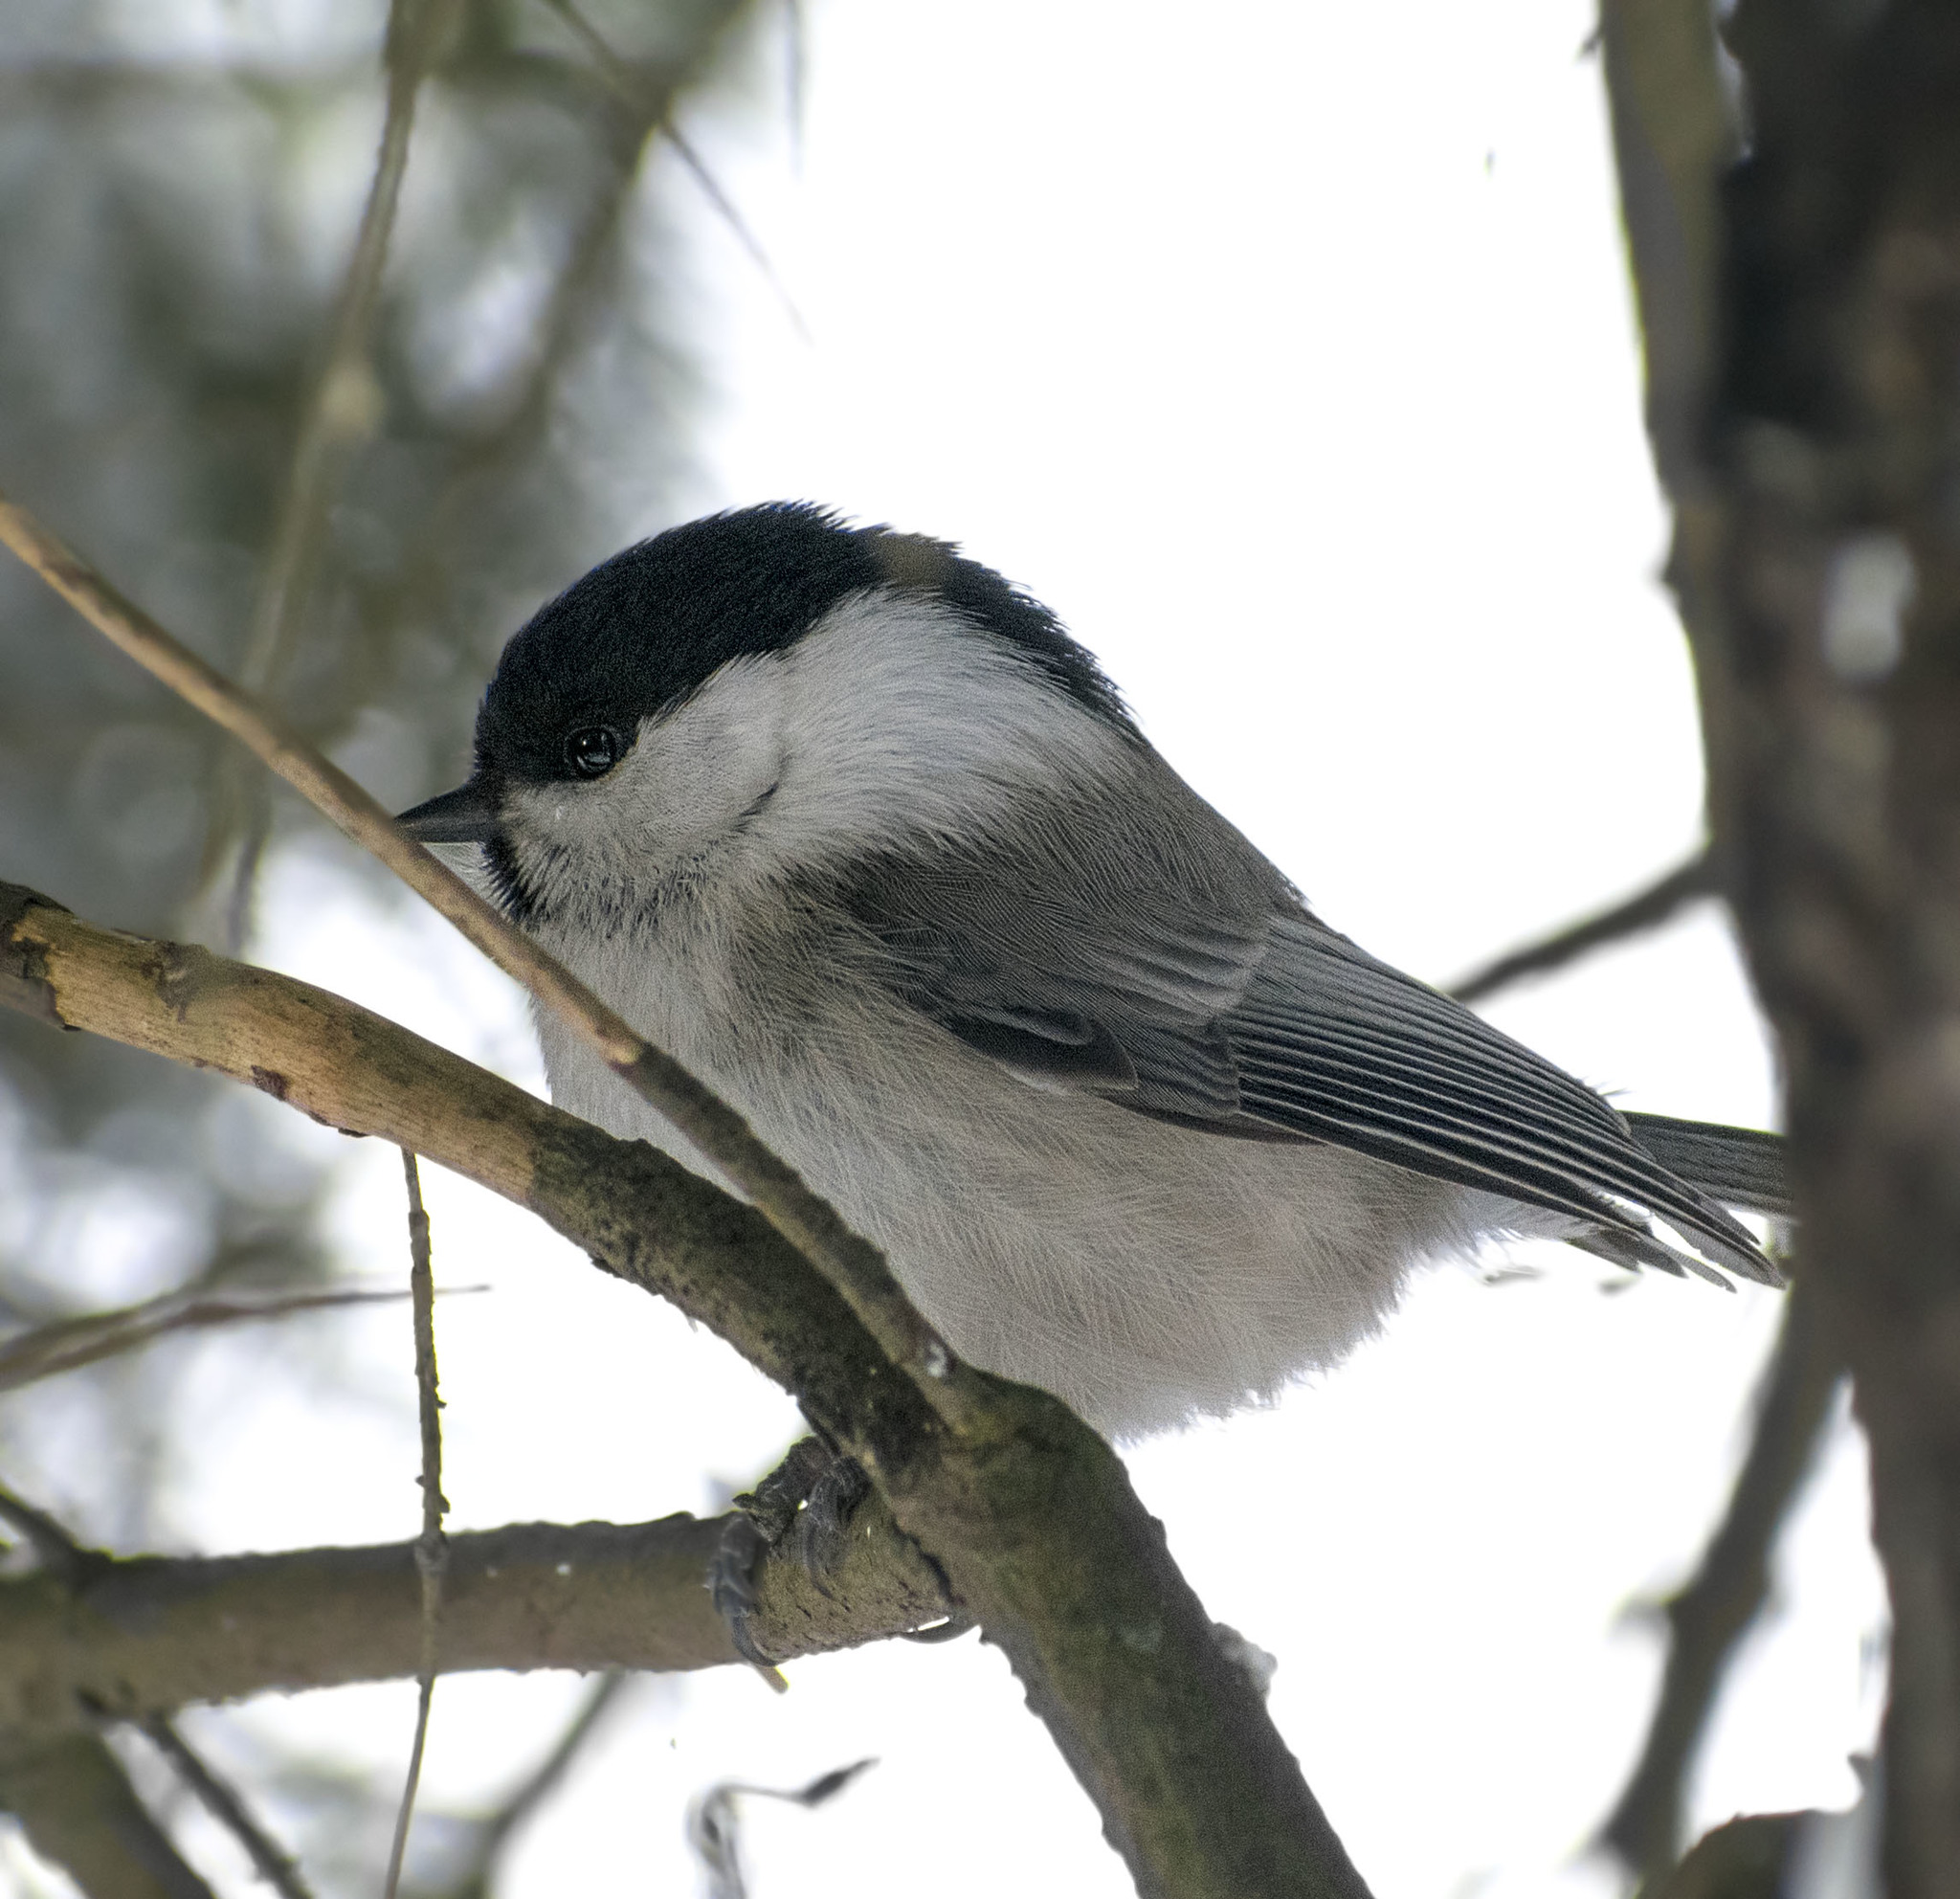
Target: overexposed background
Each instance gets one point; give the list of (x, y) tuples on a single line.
[(1291, 362)]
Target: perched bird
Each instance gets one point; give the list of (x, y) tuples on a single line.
[(854, 828)]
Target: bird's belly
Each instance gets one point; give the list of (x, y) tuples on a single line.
[(1143, 1272)]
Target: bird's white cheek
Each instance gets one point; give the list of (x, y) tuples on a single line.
[(689, 786)]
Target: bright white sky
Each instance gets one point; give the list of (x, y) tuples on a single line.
[(1283, 350)]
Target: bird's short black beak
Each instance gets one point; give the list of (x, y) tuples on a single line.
[(465, 816)]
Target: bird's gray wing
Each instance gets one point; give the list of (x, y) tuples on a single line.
[(1234, 1009), (1332, 1043)]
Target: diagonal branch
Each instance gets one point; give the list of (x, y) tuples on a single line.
[(1029, 1514), (340, 414), (626, 82), (1709, 1614), (222, 1801), (716, 1130), (67, 1344), (491, 1835), (1645, 910), (338, 409)]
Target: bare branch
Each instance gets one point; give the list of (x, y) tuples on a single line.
[(1660, 903), (432, 1547), (80, 1813), (477, 1876), (1709, 1614), (67, 1344), (1812, 467), (148, 1634), (626, 82), (851, 1264), (1029, 1517), (1673, 134), (222, 1801), (714, 1825), (342, 411)]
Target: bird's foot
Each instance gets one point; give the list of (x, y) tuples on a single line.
[(812, 1496), (814, 1493), (760, 1519), (824, 1523)]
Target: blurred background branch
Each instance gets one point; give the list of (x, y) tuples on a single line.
[(1807, 440), (1657, 905), (349, 421), (1709, 1614)]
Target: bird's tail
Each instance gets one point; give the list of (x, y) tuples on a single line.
[(1740, 1167)]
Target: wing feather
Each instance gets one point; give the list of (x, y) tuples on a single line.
[(1199, 990)]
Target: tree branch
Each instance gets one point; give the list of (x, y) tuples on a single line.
[(1026, 1512), (343, 407), (490, 1835), (1646, 910), (1820, 579), (67, 1344), (74, 1566), (81, 1812), (1708, 1614), (143, 1635), (850, 1262), (221, 1801), (431, 1547)]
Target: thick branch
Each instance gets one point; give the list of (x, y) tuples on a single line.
[(1819, 576), (1028, 1513), (149, 1634)]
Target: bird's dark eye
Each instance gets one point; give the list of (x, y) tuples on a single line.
[(593, 752)]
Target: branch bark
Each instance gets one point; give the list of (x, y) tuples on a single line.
[(1029, 1515), (144, 1635), (1819, 575)]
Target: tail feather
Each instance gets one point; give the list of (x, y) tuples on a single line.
[(1740, 1167)]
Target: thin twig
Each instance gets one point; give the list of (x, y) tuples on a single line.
[(851, 1264), (1646, 910), (623, 80), (69, 1344), (1709, 1614), (493, 1834), (431, 1547), (340, 412), (221, 1801), (340, 409)]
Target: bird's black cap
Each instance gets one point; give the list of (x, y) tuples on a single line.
[(645, 629)]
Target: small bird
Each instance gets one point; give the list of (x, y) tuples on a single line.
[(850, 826)]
